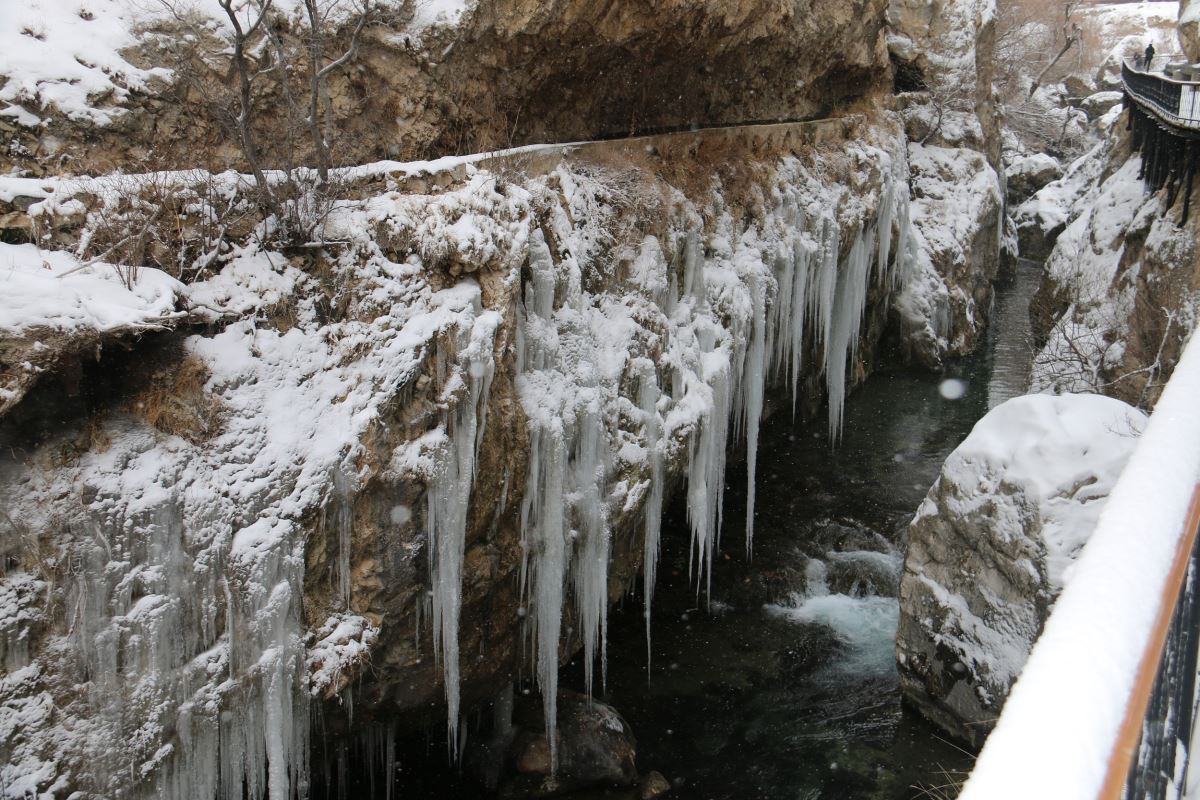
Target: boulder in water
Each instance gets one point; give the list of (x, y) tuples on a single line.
[(594, 745), (992, 545)]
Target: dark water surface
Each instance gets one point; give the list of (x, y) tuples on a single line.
[(784, 685)]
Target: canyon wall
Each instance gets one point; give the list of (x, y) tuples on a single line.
[(369, 476), (505, 73)]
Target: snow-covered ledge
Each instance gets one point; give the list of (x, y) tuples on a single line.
[(1061, 723)]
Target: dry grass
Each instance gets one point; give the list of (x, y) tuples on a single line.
[(174, 401)]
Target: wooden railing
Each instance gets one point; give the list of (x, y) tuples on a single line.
[(1105, 706)]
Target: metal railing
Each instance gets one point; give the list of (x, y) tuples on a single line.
[(1105, 707), (1174, 100)]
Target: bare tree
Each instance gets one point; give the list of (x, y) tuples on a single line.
[(1072, 33), (271, 58)]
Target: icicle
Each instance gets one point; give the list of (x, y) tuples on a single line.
[(449, 501), (825, 287), (706, 461), (589, 476), (542, 516), (648, 395), (849, 304), (338, 514), (753, 386)]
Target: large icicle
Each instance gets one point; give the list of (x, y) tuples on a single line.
[(648, 395), (542, 517), (564, 516), (849, 303), (706, 462), (590, 466), (754, 387), (450, 498)]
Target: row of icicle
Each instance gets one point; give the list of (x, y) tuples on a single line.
[(565, 528)]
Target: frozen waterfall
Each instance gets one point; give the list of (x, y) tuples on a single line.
[(740, 309)]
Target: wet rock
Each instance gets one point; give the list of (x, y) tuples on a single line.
[(863, 573), (653, 785), (594, 744), (815, 647)]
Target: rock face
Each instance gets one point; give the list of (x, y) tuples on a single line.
[(942, 53), (991, 547), (1189, 29), (518, 71), (442, 443)]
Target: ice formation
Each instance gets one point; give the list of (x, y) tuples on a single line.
[(632, 367), (450, 493), (738, 306)]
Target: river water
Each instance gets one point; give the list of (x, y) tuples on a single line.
[(784, 686)]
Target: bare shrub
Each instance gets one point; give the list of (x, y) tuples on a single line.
[(181, 223), (174, 401)]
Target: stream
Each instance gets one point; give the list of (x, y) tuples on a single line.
[(783, 684)]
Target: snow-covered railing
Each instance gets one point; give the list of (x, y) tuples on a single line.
[(1174, 100), (1071, 727)]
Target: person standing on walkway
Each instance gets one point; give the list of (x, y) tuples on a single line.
[(1149, 55)]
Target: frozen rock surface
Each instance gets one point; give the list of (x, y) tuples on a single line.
[(1121, 292), (992, 546), (433, 453)]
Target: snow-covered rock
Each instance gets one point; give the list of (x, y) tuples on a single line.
[(1121, 291), (956, 212), (1027, 175), (992, 546), (55, 309), (448, 435), (952, 124)]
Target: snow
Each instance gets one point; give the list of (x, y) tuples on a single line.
[(67, 55), (1062, 454), (1082, 669), (430, 13), (52, 291)]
